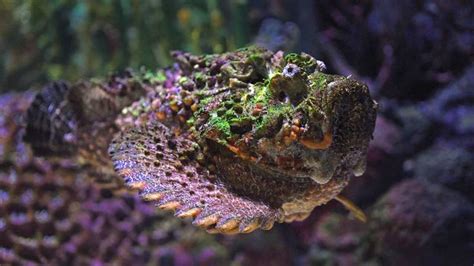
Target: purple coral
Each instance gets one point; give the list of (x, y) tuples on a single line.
[(421, 223), (12, 107), (56, 217), (50, 213)]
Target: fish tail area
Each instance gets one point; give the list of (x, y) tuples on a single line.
[(50, 121), (63, 117), (354, 209), (77, 121)]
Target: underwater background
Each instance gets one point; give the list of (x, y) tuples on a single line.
[(418, 191)]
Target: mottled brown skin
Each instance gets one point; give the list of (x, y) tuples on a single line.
[(235, 141), (76, 121)]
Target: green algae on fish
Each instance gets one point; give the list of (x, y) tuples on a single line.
[(236, 141)]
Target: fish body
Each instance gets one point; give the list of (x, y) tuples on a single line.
[(235, 141)]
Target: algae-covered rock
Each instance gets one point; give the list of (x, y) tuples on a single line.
[(418, 222)]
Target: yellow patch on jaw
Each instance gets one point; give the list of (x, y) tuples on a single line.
[(268, 225), (229, 225), (190, 213), (318, 145), (251, 227), (136, 185), (153, 196), (207, 221), (170, 206), (215, 230)]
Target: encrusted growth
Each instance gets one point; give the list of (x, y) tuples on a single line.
[(272, 135)]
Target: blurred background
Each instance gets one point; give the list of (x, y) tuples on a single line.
[(415, 55)]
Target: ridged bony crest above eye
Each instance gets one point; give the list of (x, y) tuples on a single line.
[(290, 85)]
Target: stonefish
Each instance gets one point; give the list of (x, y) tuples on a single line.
[(235, 141)]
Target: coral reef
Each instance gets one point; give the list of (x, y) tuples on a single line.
[(452, 109), (334, 241), (448, 166), (414, 223), (12, 147), (55, 217), (50, 213), (421, 223)]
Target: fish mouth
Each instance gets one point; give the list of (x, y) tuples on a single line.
[(351, 115), (340, 141), (312, 169), (316, 149)]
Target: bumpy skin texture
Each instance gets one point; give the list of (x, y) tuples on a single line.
[(237, 141), (12, 148), (51, 214), (77, 121), (55, 218)]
